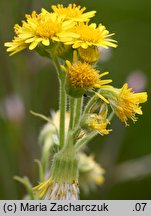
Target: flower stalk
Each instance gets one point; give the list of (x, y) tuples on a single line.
[(72, 112), (82, 142), (79, 105), (62, 106), (62, 100)]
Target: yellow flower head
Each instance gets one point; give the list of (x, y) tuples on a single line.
[(81, 75), (91, 35), (73, 12), (39, 28), (51, 190), (125, 103), (98, 123)]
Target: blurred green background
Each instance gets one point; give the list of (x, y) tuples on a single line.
[(28, 82)]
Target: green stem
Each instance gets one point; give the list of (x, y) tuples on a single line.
[(57, 66), (62, 101), (78, 110), (82, 142), (62, 109), (89, 104), (72, 106)]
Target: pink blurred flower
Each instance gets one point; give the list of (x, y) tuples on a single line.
[(13, 108), (137, 81)]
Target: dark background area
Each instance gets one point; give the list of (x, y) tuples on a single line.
[(28, 82)]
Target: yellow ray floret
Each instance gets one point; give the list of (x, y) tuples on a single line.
[(51, 190), (42, 188), (91, 35), (16, 45), (73, 12), (40, 28), (125, 103)]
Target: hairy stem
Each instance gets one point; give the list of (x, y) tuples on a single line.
[(62, 101), (57, 66), (82, 142), (89, 104), (78, 111), (62, 108), (72, 111)]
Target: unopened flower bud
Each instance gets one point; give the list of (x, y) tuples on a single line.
[(90, 55)]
